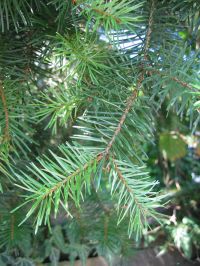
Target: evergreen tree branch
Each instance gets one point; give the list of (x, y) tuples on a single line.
[(149, 31), (123, 180), (182, 83), (106, 14), (147, 41), (106, 51), (122, 120), (151, 72), (139, 84), (111, 14), (71, 176), (134, 193), (54, 186)]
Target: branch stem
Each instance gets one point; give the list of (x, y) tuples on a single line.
[(149, 30), (177, 80), (104, 13), (122, 120)]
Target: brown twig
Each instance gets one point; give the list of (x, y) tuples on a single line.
[(184, 84), (78, 171), (130, 190), (122, 120), (104, 13), (147, 42), (101, 12), (149, 31), (160, 73), (121, 177)]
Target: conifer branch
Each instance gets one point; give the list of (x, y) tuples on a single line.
[(122, 178), (130, 190), (111, 14), (106, 14), (5, 108), (69, 177), (149, 31), (101, 12), (182, 83), (132, 98), (115, 64), (147, 40), (122, 120), (53, 190)]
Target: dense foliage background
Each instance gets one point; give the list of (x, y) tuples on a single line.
[(99, 128)]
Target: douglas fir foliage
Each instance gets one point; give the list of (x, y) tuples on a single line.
[(81, 83)]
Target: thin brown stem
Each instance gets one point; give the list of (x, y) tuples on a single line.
[(183, 83), (130, 190), (123, 180), (147, 42), (77, 172), (149, 30), (122, 120), (104, 13)]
